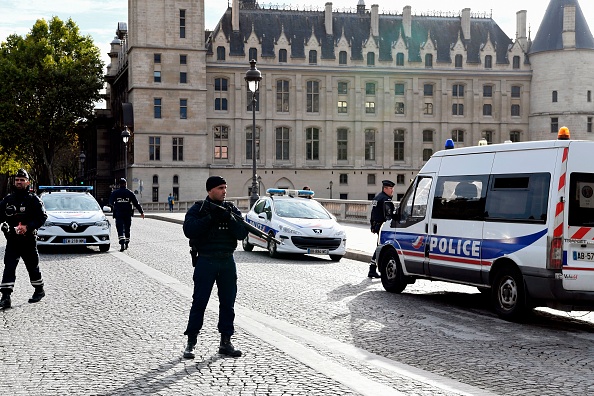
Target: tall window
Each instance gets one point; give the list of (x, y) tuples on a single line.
[(183, 109), (554, 124), (313, 57), (343, 87), (487, 109), (488, 136), (589, 125), (155, 194), (221, 142), (343, 178), (428, 89), (157, 107), (458, 136), (178, 148), (514, 136), (371, 59), (516, 62), (399, 145), (554, 96), (488, 62), (400, 59), (589, 96), (427, 135), (312, 144), (427, 153), (157, 58), (248, 143), (370, 107), (458, 90), (220, 94), (371, 180), (342, 58), (487, 91), (183, 59), (370, 144), (154, 148), (515, 110), (428, 109), (282, 96), (253, 53), (458, 109), (313, 97), (343, 107), (282, 55), (157, 76), (182, 23), (220, 53), (256, 103), (369, 88), (399, 89), (282, 143), (458, 61), (399, 108), (183, 77), (342, 144), (428, 60), (515, 91)]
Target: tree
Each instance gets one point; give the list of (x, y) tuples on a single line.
[(49, 84)]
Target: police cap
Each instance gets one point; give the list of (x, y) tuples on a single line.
[(22, 173), (123, 181), (388, 183)]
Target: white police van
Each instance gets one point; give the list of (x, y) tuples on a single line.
[(515, 220)]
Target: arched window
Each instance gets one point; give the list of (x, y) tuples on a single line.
[(175, 179), (155, 179)]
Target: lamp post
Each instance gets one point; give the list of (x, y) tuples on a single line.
[(125, 138), (82, 157), (330, 183), (253, 78)]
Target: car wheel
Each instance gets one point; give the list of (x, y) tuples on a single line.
[(104, 248), (272, 247), (508, 295), (335, 257), (248, 247), (393, 280)]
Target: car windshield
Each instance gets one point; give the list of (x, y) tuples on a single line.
[(301, 209), (74, 202)]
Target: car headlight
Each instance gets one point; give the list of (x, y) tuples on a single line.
[(103, 224), (289, 230), (48, 224), (340, 234)]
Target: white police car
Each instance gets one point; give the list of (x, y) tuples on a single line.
[(303, 225), (74, 217)]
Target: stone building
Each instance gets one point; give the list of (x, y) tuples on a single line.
[(348, 97)]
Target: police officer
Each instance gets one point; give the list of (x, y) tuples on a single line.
[(21, 214), (213, 232), (378, 217), (121, 200)]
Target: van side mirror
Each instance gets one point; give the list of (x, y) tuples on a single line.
[(389, 209)]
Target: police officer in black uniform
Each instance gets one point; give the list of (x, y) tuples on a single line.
[(21, 214), (121, 200), (213, 232), (378, 217)]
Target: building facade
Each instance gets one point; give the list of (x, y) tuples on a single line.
[(347, 98)]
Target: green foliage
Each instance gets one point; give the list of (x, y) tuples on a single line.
[(50, 81)]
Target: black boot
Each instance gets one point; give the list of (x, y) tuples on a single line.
[(226, 348), (189, 351), (38, 295), (5, 302), (372, 271), (122, 247)]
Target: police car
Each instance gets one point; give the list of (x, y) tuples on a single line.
[(73, 218), (302, 224)]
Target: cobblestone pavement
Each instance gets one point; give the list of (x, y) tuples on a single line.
[(112, 324)]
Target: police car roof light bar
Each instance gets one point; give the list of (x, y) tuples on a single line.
[(65, 188), (290, 192)]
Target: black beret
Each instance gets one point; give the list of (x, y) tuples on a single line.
[(388, 183), (214, 181)]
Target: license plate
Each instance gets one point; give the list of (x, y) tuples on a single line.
[(317, 251), (583, 256), (75, 240)]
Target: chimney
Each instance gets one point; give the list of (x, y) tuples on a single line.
[(569, 26), (235, 15), (466, 23), (361, 7), (375, 20), (407, 21), (521, 29), (328, 18)]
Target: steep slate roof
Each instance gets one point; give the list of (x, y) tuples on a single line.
[(298, 25), (549, 36)]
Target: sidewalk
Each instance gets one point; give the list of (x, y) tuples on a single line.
[(360, 241)]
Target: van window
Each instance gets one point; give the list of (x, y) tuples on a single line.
[(414, 203), (518, 198), (581, 200), (460, 197)]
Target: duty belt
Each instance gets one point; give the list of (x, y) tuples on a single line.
[(216, 254)]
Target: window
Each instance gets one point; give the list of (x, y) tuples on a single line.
[(554, 96), (458, 61), (313, 97), (248, 143), (157, 107), (487, 91), (342, 106), (371, 180), (428, 60), (399, 145), (157, 76), (399, 108), (428, 109), (155, 194), (458, 136), (183, 109), (427, 153), (182, 23), (520, 198), (458, 109), (282, 143), (514, 136), (253, 98), (178, 148), (515, 110), (343, 178), (342, 140), (515, 91), (400, 179), (312, 144), (220, 53), (175, 189), (487, 110), (343, 87), (282, 96), (370, 107), (156, 58), (220, 93), (554, 124), (589, 125), (413, 207), (155, 179), (183, 77), (460, 197), (427, 135), (370, 144), (175, 181), (253, 53), (580, 211), (313, 57), (369, 88), (589, 96), (458, 90), (488, 62), (488, 136), (343, 196), (516, 62), (400, 59), (282, 55), (342, 58), (183, 59), (371, 59), (221, 142), (154, 148), (428, 89), (399, 89)]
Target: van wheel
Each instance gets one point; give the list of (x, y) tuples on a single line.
[(247, 246), (393, 279), (271, 246), (508, 295)]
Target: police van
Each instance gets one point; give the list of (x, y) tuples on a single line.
[(516, 220)]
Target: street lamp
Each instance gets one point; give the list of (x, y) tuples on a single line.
[(82, 157), (125, 138), (253, 78), (330, 183)]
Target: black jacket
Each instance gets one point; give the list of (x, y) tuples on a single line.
[(378, 215), (122, 200), (24, 207)]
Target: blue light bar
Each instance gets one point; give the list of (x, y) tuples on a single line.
[(290, 192), (65, 188)]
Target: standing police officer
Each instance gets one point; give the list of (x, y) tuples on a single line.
[(378, 217), (21, 213), (213, 232), (121, 200)]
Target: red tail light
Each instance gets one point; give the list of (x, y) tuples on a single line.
[(556, 257)]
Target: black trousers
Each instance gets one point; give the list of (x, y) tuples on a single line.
[(123, 224), (18, 247)]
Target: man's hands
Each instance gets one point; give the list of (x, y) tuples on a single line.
[(220, 213)]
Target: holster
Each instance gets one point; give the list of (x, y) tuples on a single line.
[(194, 255)]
